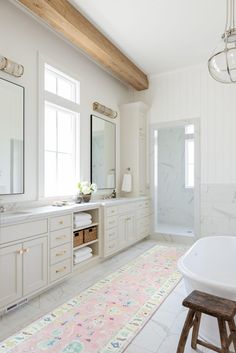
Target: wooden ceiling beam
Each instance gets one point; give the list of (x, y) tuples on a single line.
[(68, 21)]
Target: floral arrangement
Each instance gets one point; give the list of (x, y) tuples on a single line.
[(86, 188)]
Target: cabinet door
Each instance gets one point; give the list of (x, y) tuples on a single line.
[(35, 265), (126, 230), (142, 165), (10, 274)]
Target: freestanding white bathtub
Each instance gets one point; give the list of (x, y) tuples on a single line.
[(210, 266)]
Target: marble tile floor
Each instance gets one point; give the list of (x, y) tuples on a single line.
[(161, 333)]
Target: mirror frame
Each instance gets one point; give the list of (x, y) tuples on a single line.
[(91, 150), (23, 118)]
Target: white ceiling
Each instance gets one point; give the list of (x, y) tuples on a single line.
[(159, 35)]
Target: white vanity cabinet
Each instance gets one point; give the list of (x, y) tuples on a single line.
[(60, 236), (23, 260), (10, 274), (33, 255), (125, 224), (126, 228), (23, 269), (35, 264)]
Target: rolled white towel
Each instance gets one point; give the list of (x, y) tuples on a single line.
[(79, 224), (84, 251), (82, 215), (82, 258)]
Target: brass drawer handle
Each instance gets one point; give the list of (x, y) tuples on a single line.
[(61, 253), (61, 270), (61, 222), (25, 251), (61, 237)]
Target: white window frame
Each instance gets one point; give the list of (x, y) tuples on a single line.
[(51, 98), (189, 138)]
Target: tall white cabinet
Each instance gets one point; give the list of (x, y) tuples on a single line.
[(133, 145)]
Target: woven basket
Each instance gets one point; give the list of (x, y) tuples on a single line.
[(90, 234), (78, 238)]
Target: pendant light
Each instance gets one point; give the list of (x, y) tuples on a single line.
[(222, 65)]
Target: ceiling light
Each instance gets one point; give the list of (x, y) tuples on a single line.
[(222, 64)]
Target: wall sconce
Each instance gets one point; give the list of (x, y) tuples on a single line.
[(11, 67), (97, 107)]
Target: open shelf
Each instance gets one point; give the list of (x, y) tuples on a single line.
[(84, 227), (85, 244), (85, 262)]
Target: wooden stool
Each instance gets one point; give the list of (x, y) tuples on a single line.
[(223, 310)]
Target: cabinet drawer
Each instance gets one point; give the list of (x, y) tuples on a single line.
[(143, 204), (60, 237), (111, 247), (111, 222), (60, 270), (111, 211), (143, 212), (127, 208), (23, 230), (60, 222), (111, 234), (60, 253)]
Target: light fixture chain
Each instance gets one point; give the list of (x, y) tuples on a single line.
[(227, 16)]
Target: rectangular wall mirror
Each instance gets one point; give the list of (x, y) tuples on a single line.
[(11, 138), (103, 153)]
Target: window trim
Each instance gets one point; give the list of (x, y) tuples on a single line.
[(188, 138), (44, 96)]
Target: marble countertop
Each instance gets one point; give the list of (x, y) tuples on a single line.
[(18, 215)]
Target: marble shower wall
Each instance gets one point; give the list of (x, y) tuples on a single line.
[(175, 202), (218, 209)]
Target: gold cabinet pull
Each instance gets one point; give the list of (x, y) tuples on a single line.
[(61, 222), (61, 237), (25, 251), (61, 253), (61, 270)]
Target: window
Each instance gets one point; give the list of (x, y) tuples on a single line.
[(60, 84), (189, 156), (60, 133)]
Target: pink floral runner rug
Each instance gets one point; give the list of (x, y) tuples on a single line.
[(106, 317)]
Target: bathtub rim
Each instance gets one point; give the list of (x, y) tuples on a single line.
[(186, 272)]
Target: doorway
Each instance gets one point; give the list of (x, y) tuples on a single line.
[(175, 174)]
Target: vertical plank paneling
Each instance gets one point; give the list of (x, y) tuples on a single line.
[(191, 93)]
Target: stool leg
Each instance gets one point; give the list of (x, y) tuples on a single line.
[(232, 328), (196, 326), (223, 336), (184, 335)]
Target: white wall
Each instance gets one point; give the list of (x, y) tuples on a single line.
[(192, 93), (22, 40)]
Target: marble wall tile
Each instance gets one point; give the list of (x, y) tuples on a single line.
[(175, 202), (218, 209)]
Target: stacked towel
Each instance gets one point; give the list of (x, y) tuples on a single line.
[(83, 254), (82, 219)]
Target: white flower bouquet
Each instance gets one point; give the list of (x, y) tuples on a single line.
[(86, 189)]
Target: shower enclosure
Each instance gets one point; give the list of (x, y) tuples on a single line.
[(175, 181)]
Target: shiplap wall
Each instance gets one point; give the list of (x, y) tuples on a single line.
[(192, 93)]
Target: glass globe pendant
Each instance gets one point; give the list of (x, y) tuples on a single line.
[(222, 64)]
